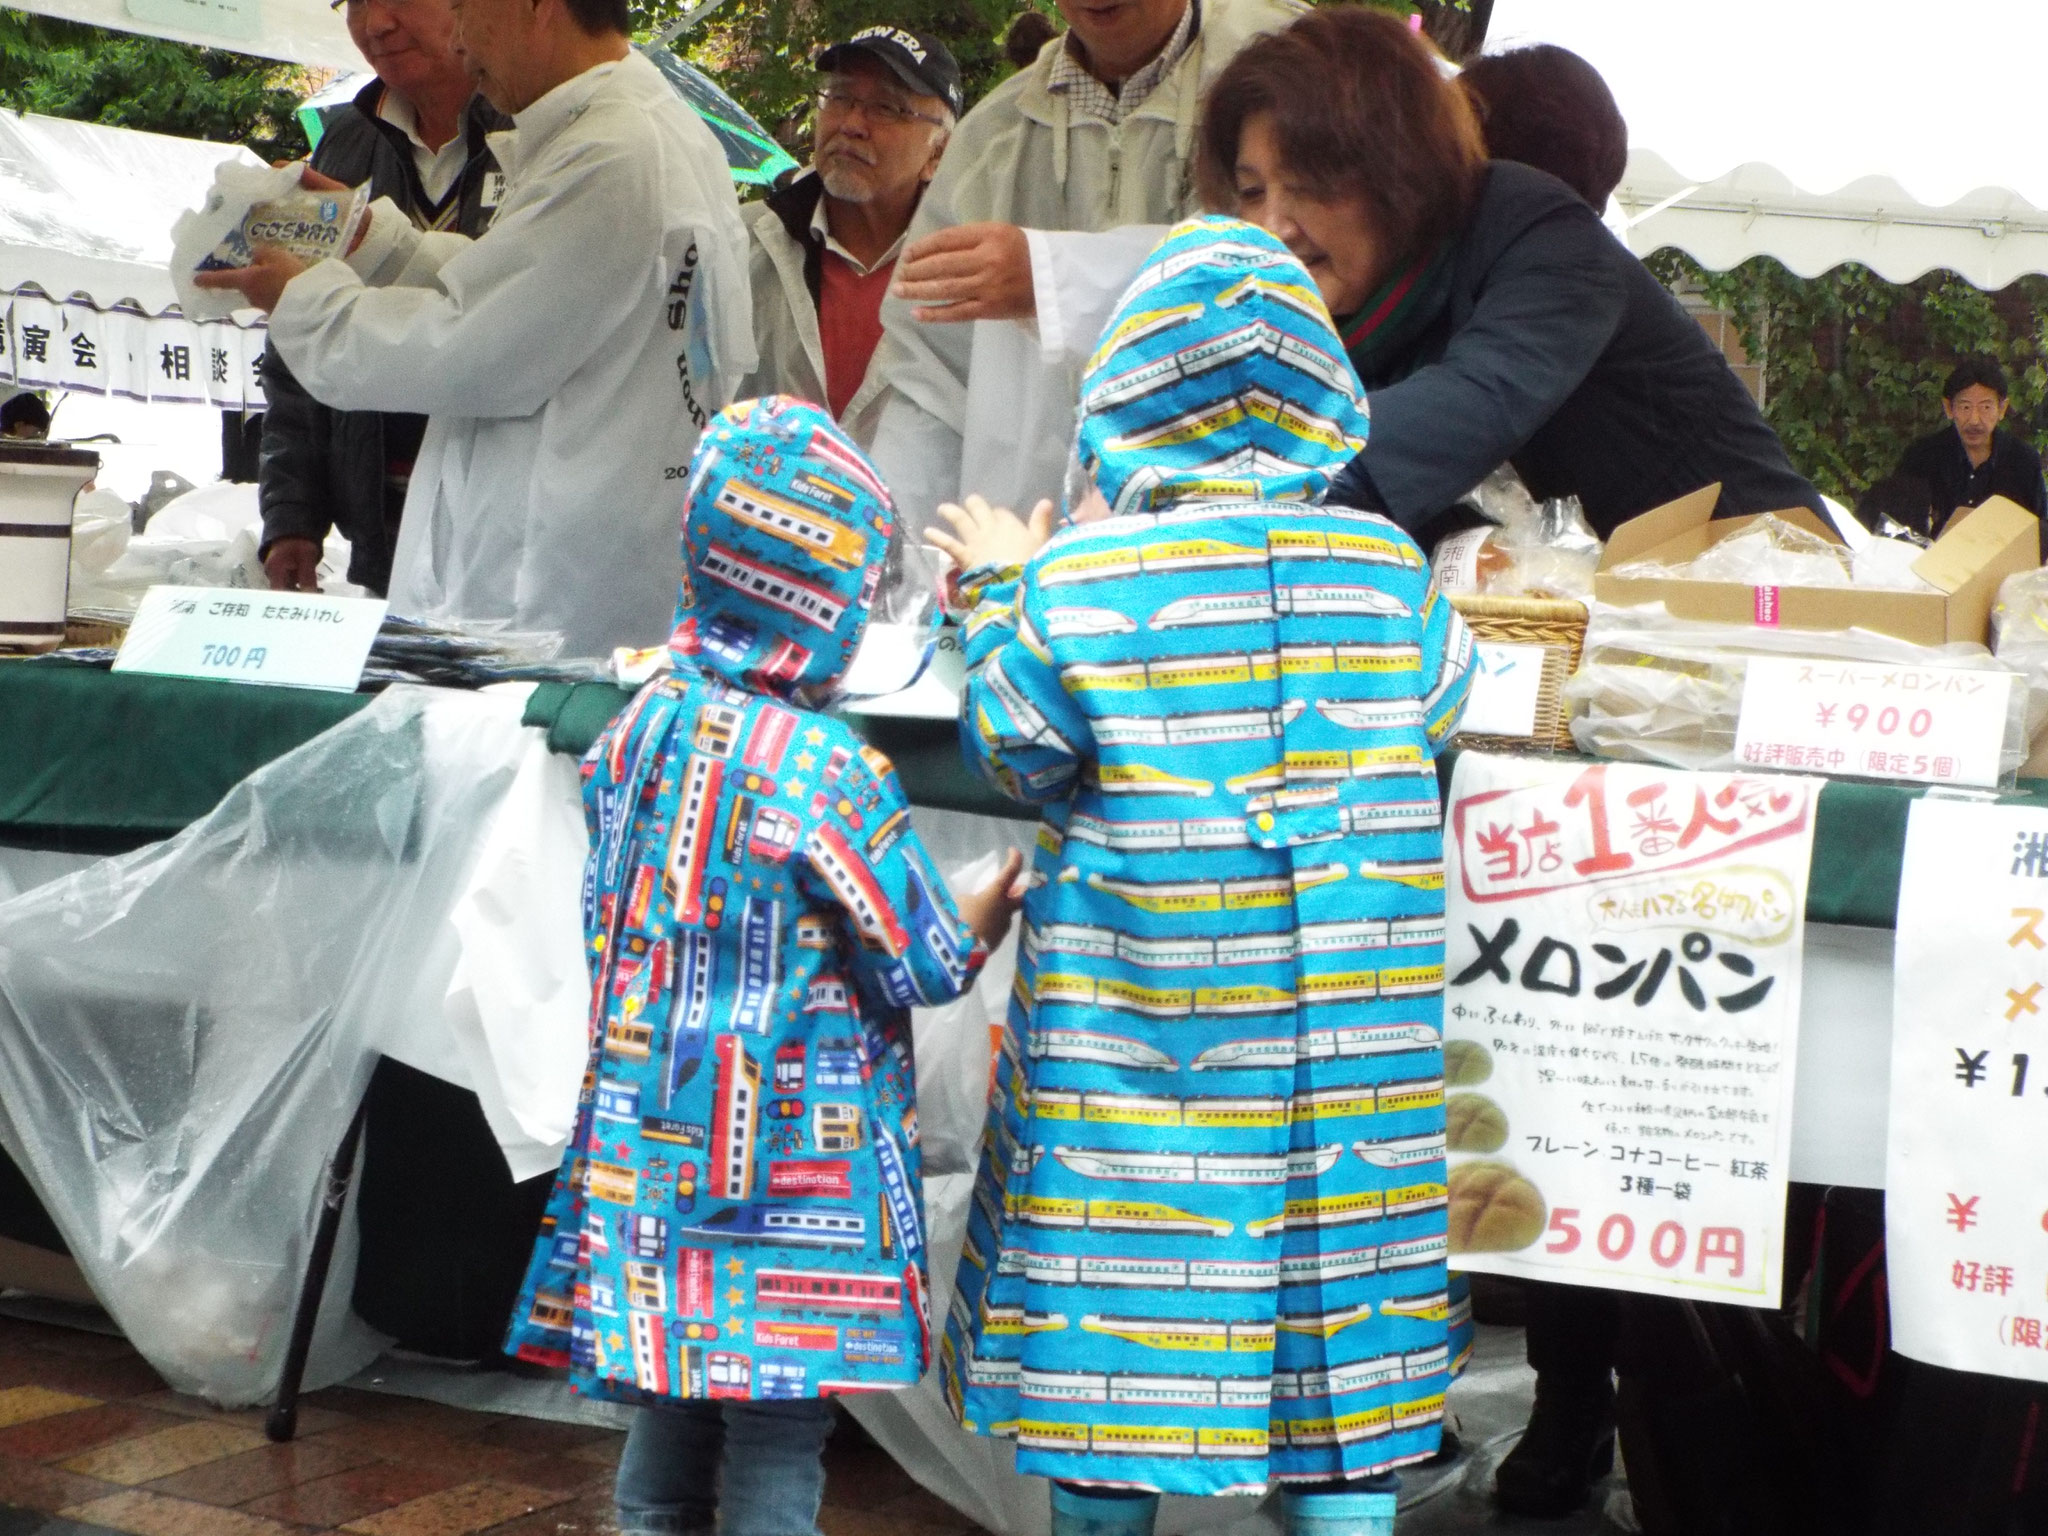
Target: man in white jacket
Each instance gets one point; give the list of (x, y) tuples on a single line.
[(567, 358), (1097, 135), (825, 245)]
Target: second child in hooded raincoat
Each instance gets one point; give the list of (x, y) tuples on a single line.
[(1207, 1246), (736, 1233)]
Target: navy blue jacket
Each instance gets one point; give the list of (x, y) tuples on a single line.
[(1558, 352)]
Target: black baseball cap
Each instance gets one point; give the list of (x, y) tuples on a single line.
[(918, 59)]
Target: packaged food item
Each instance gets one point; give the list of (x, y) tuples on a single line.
[(251, 205), (1772, 552), (1887, 562), (2019, 638), (1657, 689), (1535, 549)]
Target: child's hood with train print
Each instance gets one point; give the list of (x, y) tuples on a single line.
[(785, 530)]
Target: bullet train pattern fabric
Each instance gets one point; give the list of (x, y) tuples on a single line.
[(1207, 1243), (738, 1213)]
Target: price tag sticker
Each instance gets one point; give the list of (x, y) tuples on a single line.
[(1933, 725), (1506, 682), (286, 639)]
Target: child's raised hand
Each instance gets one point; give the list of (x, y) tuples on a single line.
[(988, 911), (986, 535)]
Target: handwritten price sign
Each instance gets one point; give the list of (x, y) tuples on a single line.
[(1622, 980), (1935, 725), (1966, 1205)]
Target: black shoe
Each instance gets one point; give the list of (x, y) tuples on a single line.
[(1566, 1449)]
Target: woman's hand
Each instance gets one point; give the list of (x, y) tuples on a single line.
[(988, 911), (986, 535)]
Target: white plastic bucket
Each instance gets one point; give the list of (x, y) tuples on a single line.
[(38, 484)]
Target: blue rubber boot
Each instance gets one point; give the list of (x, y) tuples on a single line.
[(1339, 1514), (1081, 1512)]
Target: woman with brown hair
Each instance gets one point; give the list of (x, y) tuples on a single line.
[(1490, 314)]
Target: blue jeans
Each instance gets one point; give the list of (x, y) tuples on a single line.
[(750, 1468)]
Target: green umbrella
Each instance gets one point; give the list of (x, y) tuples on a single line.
[(754, 156)]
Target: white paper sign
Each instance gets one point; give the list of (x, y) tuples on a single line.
[(288, 639), (936, 693), (1936, 725), (1966, 1190), (903, 669), (1622, 966), (1506, 680)]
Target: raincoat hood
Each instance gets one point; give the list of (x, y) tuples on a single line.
[(785, 525), (1219, 378)]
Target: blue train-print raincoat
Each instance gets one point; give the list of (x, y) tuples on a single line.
[(738, 1214), (1207, 1244)]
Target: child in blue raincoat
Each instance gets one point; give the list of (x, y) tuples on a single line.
[(736, 1233), (1207, 1248)]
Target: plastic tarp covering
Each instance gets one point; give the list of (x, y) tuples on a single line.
[(301, 31), (186, 1030), (1817, 132)]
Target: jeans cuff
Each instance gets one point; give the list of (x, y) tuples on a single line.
[(659, 1522)]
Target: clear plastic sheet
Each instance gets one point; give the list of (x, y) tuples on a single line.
[(2019, 638), (185, 1030), (1652, 688), (1772, 552)]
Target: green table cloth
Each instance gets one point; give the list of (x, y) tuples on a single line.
[(97, 761), (93, 761)]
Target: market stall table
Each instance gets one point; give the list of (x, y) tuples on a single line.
[(102, 762), (98, 762)]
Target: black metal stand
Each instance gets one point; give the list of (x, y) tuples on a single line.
[(283, 1421)]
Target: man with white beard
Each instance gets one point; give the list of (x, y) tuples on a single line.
[(823, 248)]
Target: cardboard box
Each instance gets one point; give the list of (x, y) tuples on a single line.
[(1981, 547)]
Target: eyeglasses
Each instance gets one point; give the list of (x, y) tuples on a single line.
[(883, 114)]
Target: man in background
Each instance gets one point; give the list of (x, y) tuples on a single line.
[(1097, 134), (822, 248), (567, 358), (416, 135), (1973, 458)]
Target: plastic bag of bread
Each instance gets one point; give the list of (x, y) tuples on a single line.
[(1652, 688), (1532, 548)]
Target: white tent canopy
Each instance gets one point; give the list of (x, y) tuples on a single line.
[(85, 246), (299, 31), (1821, 131)]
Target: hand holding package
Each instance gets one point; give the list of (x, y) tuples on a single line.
[(248, 206)]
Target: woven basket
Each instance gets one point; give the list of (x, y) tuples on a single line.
[(1556, 624), (94, 632), (77, 632)]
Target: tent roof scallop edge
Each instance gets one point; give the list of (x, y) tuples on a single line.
[(1823, 131), (1989, 237)]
